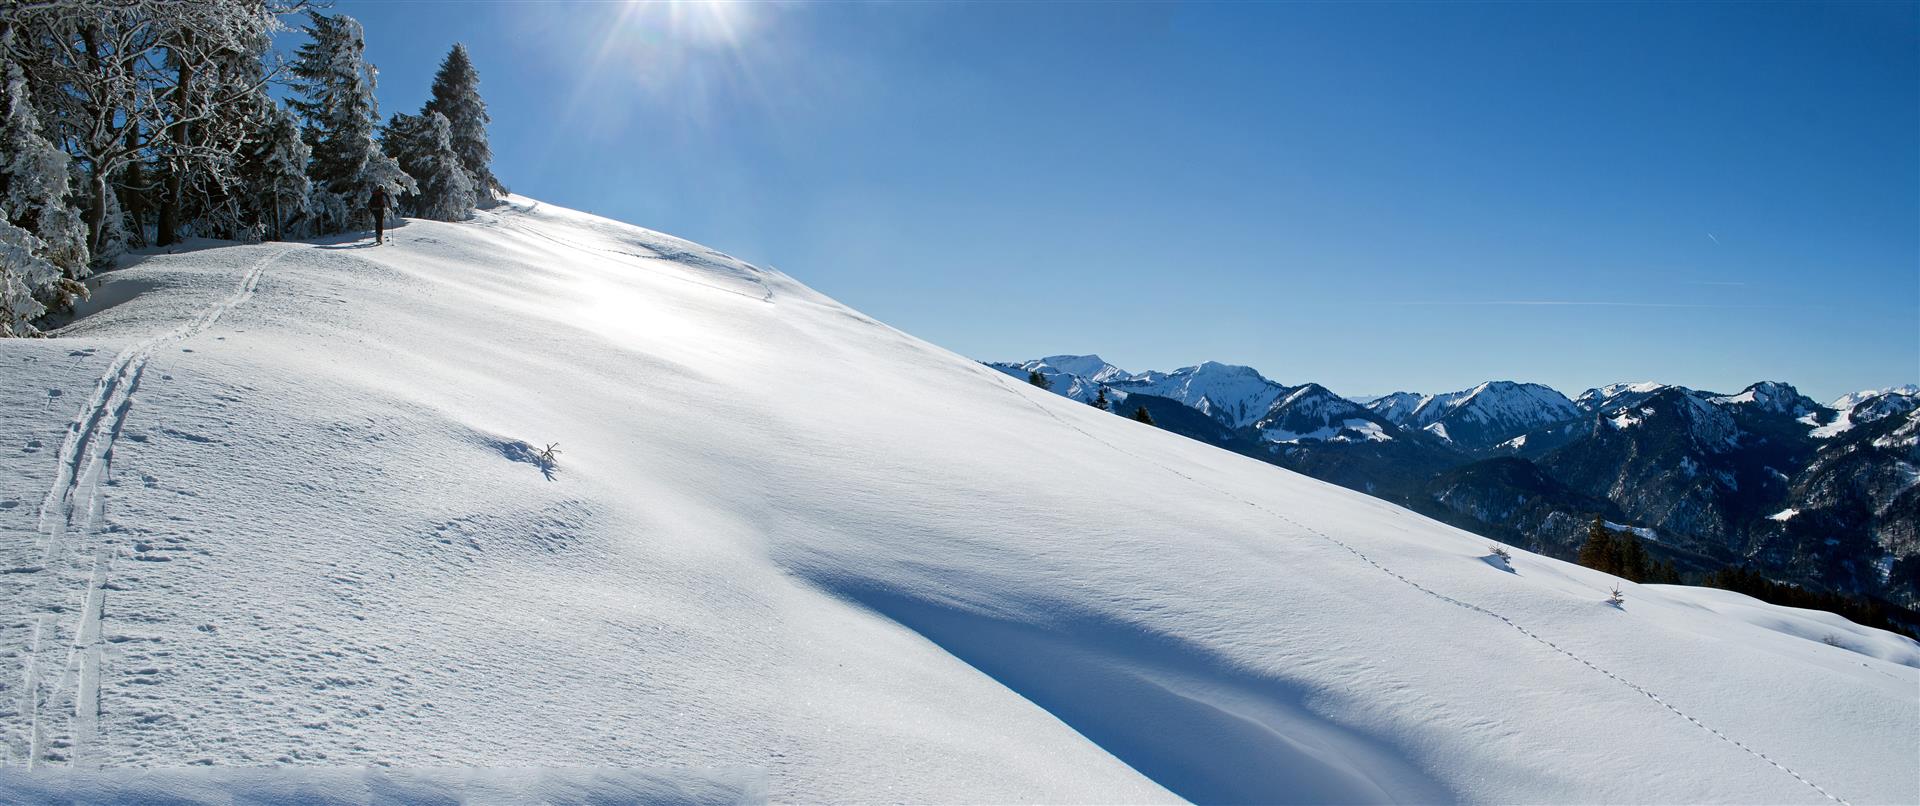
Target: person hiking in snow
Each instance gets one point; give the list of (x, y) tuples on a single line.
[(377, 204)]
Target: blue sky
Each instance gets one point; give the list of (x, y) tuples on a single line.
[(1372, 196)]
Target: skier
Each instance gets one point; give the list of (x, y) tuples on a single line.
[(377, 203)]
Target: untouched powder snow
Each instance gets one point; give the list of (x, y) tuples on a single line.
[(283, 508)]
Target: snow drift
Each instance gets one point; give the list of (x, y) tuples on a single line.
[(284, 508)]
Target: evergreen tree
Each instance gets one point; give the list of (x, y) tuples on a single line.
[(1631, 557), (1034, 377), (1666, 574), (1100, 401), (423, 148), (22, 270), (276, 173), (1598, 552), (456, 94), (339, 110), (1141, 414), (45, 241)]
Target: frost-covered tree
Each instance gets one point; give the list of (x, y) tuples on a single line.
[(45, 241), (122, 82), (339, 109), (217, 110), (456, 94), (22, 270), (423, 147), (276, 173)]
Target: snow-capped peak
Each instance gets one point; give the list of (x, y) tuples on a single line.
[(1495, 401), (1090, 367), (1614, 395), (1851, 399), (1870, 409), (1314, 413), (1233, 394), (1397, 407), (1770, 396), (1481, 417)]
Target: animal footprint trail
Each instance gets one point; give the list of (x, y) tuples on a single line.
[(76, 505)]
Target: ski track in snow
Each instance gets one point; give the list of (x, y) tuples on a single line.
[(1008, 386), (85, 460)]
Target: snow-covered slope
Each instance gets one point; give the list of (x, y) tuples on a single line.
[(1861, 408), (283, 508)]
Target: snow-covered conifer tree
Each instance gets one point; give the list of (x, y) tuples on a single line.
[(46, 242), (339, 109), (456, 94), (22, 270), (424, 148), (277, 173)]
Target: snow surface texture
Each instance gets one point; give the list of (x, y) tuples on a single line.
[(342, 786), (279, 509)]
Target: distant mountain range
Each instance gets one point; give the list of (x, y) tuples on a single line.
[(1826, 496)]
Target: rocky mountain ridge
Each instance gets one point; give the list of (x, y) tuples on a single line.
[(1826, 496)]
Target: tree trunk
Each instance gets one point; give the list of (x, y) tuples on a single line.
[(97, 214), (134, 204), (170, 201)]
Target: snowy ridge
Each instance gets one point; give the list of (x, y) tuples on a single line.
[(1616, 395), (1397, 407), (1487, 416), (1851, 399), (1314, 413), (1771, 396), (760, 550), (1080, 377), (1862, 408), (1235, 395)]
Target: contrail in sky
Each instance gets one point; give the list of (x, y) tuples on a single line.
[(1578, 303)]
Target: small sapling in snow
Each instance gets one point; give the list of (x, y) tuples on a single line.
[(1501, 552), (1616, 598)]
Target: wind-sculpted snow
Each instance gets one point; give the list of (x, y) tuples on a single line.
[(385, 787), (309, 526)]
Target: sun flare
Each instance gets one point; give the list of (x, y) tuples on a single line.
[(696, 23)]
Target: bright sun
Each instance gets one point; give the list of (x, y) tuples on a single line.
[(698, 23)]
